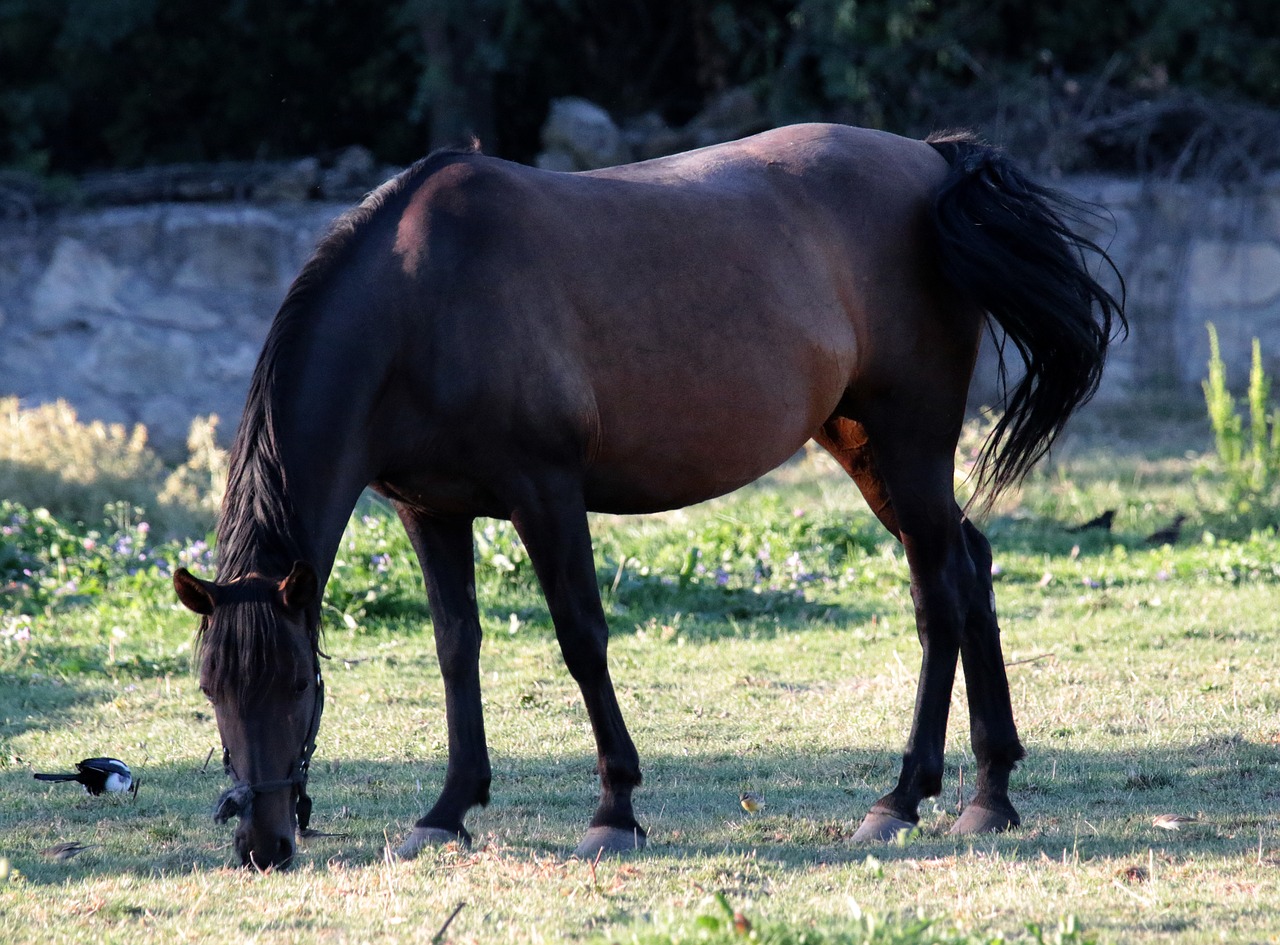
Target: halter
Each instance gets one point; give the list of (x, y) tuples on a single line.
[(237, 800)]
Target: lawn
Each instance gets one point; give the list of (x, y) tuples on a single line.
[(761, 642)]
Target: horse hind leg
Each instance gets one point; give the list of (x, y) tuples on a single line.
[(993, 734), (550, 515), (445, 551), (908, 486)]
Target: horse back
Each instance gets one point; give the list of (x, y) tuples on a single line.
[(637, 319)]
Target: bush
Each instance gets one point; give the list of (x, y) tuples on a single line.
[(81, 471), (258, 79)]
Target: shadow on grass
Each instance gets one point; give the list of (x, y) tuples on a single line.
[(35, 702), (1075, 804)]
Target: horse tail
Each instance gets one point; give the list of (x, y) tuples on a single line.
[(1006, 246)]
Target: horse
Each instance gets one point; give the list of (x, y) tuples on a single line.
[(479, 338)]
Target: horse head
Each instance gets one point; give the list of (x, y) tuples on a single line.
[(259, 668)]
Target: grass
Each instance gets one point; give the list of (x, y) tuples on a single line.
[(762, 642)]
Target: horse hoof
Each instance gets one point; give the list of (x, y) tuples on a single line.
[(975, 819), (421, 837), (881, 828), (609, 841)]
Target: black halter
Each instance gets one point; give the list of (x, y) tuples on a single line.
[(237, 800)]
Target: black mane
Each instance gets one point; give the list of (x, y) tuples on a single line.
[(257, 524), (258, 530)]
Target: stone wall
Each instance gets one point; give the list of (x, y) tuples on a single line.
[(1190, 255), (150, 314), (155, 314)]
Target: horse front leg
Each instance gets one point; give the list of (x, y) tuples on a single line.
[(445, 551), (550, 516)]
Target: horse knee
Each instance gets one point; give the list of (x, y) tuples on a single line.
[(458, 649), (586, 662)]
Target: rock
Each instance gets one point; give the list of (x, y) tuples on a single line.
[(167, 418), (648, 136), (1233, 275), (78, 288), (235, 366), (128, 361), (353, 174), (241, 247), (557, 161), (732, 114), (585, 132), (177, 311), (293, 182)]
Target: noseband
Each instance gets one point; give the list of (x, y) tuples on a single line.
[(237, 801)]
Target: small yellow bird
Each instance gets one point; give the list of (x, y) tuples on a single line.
[(1172, 821), (751, 801)]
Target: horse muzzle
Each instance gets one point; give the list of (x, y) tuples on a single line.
[(264, 838)]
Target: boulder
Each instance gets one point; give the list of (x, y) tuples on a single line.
[(732, 114), (584, 133), (292, 182), (78, 287)]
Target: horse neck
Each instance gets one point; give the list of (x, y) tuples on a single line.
[(299, 465)]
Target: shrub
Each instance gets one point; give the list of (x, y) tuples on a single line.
[(79, 471)]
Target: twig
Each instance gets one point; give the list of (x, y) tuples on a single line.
[(207, 758), (439, 936), (1032, 659)]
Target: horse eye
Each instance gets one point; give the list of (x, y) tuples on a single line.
[(299, 687)]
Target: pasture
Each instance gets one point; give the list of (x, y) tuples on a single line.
[(761, 642)]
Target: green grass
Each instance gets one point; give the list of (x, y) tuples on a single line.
[(763, 641)]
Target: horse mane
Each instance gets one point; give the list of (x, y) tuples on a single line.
[(257, 529), (256, 523)]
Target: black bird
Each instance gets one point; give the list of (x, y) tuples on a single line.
[(1102, 522), (1169, 534), (98, 775)]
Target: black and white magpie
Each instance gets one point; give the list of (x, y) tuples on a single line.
[(98, 775)]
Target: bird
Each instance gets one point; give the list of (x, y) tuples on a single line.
[(1101, 522), (65, 851), (751, 801), (1169, 534), (1172, 821), (98, 775)]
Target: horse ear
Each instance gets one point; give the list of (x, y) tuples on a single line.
[(301, 588), (194, 593)]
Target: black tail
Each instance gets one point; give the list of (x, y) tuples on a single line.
[(56, 777), (1006, 246)]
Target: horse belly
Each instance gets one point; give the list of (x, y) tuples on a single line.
[(677, 444)]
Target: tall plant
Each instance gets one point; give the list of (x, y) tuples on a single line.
[(1250, 456)]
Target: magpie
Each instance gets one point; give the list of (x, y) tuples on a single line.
[(98, 775), (1169, 534), (1102, 522)]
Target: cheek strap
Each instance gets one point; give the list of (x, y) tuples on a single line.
[(237, 801)]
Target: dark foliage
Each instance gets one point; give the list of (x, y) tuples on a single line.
[(88, 84)]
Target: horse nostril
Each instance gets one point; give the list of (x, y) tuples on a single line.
[(285, 852)]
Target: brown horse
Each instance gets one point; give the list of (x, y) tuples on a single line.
[(479, 338)]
